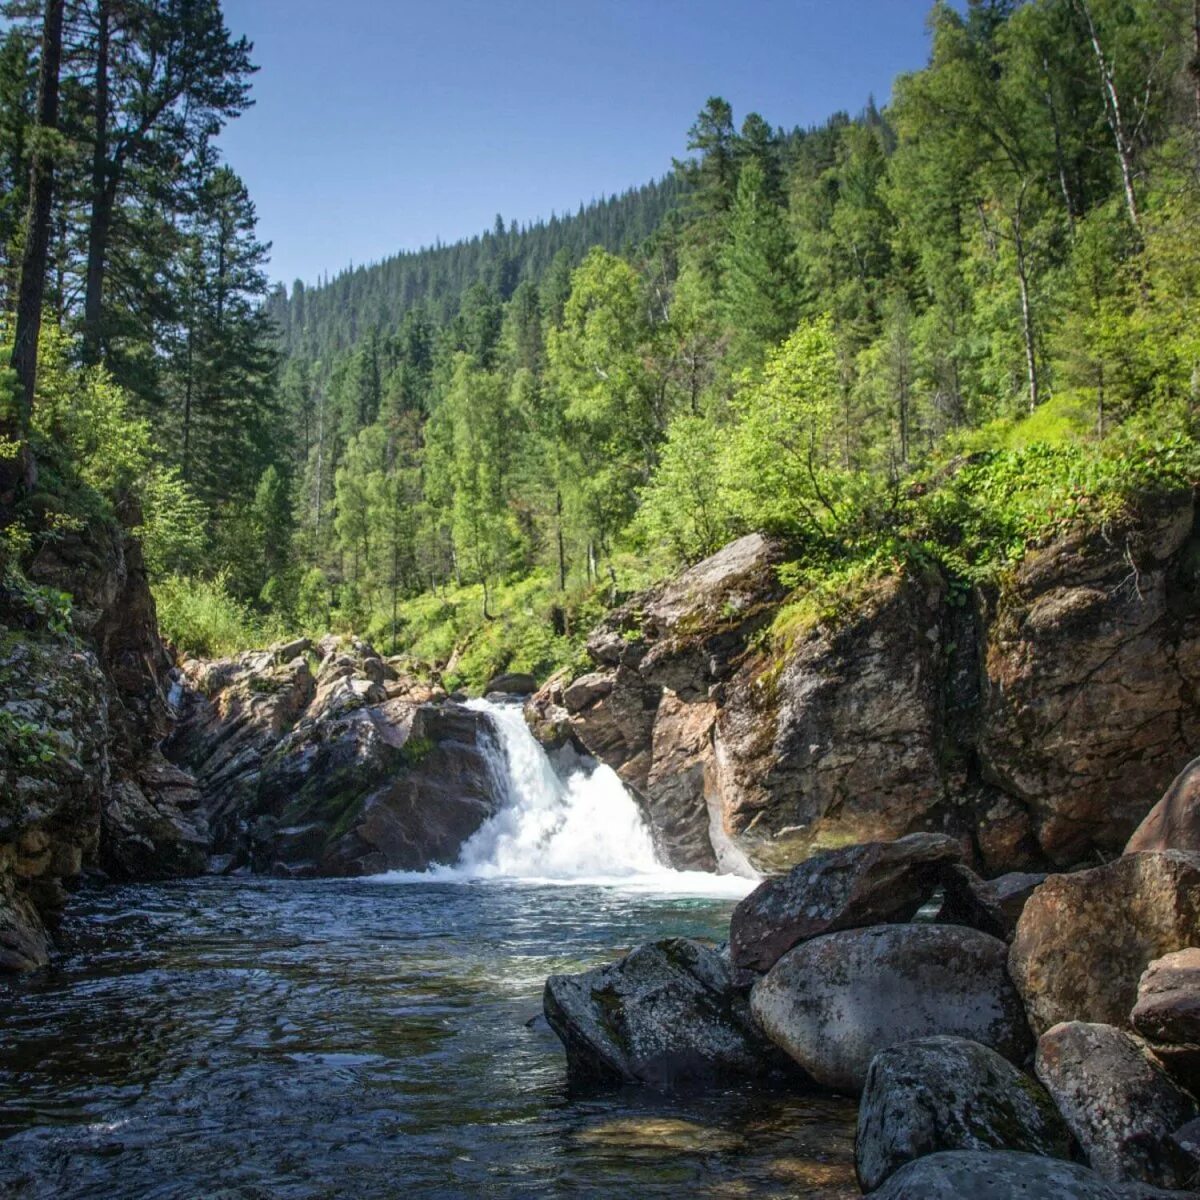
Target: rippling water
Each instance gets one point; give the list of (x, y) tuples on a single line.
[(265, 1038)]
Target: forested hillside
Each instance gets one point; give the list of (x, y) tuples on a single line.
[(932, 332)]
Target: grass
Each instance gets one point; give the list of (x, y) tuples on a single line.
[(199, 617)]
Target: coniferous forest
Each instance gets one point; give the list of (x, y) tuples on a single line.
[(697, 695), (934, 330)]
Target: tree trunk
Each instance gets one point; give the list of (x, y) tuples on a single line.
[(22, 469), (103, 198), (562, 553), (1116, 122), (1059, 158)]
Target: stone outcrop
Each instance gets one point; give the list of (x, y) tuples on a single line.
[(666, 1015), (835, 1002), (82, 709), (877, 883), (945, 1093), (1038, 722), (1118, 1102), (325, 760), (1084, 939), (1168, 999)]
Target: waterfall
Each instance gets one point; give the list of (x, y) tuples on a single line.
[(584, 829)]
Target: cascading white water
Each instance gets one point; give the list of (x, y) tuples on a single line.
[(585, 829)]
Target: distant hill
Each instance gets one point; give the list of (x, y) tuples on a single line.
[(318, 322)]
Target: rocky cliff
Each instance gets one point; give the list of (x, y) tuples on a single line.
[(323, 759), (1038, 721), (82, 710)]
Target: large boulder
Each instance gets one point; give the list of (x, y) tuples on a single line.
[(947, 1093), (1084, 940), (872, 884), (1118, 1102), (1174, 822), (666, 1015), (835, 1002), (998, 1175)]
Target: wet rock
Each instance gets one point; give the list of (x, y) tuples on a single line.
[(1174, 822), (995, 1175), (1118, 1102), (835, 1002), (991, 905), (150, 838), (880, 882), (391, 786), (512, 683), (667, 1015), (947, 1093), (1084, 940)]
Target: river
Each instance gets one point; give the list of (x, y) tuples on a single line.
[(250, 1037)]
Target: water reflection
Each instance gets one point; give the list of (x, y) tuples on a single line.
[(247, 1038)]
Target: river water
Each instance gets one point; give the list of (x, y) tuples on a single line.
[(250, 1037)]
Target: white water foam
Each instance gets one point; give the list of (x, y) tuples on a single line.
[(586, 829)]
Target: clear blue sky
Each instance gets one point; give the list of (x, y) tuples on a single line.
[(382, 125)]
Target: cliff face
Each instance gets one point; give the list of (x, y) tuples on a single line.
[(82, 710), (1039, 724)]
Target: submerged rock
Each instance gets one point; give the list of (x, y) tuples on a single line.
[(996, 1175), (1118, 1102), (872, 884), (948, 1093), (835, 1002), (666, 1015), (1084, 940)]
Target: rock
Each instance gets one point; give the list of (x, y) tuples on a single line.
[(1034, 723), (1119, 1104), (512, 683), (1168, 998), (146, 838), (1185, 1145), (390, 786), (839, 889), (1087, 711), (666, 1015), (995, 1175), (284, 652), (835, 1002), (1084, 940), (1174, 822), (947, 1093), (587, 690), (992, 905)]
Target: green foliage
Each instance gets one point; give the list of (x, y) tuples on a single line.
[(201, 617)]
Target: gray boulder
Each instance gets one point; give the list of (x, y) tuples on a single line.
[(948, 1093), (1117, 1101), (835, 1002), (997, 1175), (512, 683), (666, 1015), (870, 884)]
